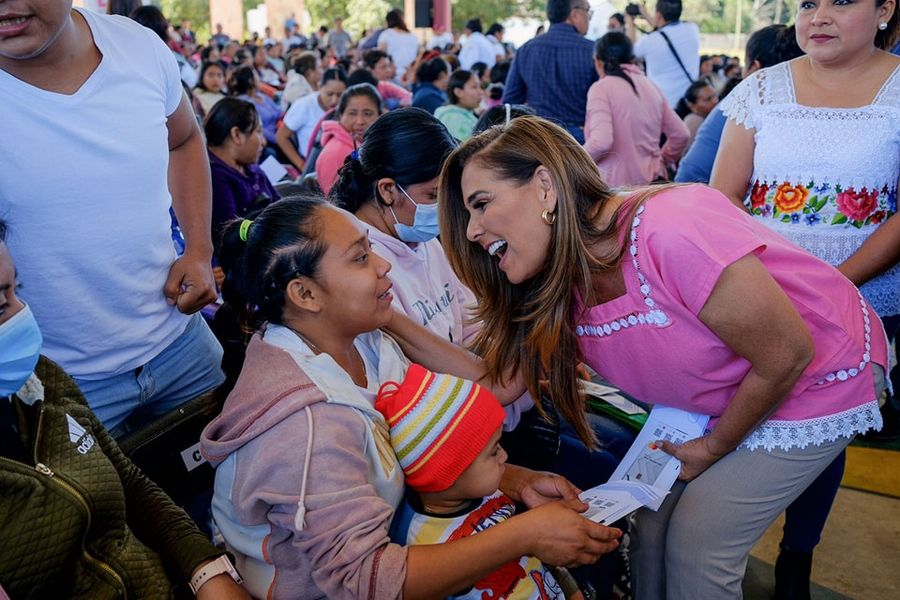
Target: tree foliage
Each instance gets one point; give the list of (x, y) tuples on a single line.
[(495, 11)]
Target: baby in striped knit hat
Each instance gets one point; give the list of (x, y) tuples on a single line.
[(445, 432)]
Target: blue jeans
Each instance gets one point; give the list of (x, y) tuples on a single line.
[(583, 467), (187, 368)]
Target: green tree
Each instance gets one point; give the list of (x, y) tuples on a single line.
[(197, 11), (359, 15), (495, 11)]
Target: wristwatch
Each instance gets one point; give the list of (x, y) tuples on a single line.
[(210, 570)]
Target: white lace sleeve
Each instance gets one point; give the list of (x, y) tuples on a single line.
[(742, 104)]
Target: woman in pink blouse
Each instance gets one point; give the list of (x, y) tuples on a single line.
[(626, 115), (681, 299)]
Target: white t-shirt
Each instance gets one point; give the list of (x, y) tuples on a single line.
[(402, 46), (477, 49), (301, 118), (440, 40), (83, 186), (662, 68)]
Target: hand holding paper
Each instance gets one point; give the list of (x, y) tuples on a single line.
[(695, 456), (647, 473)]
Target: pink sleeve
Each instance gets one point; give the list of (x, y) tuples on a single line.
[(677, 134), (390, 90), (598, 125), (690, 235)]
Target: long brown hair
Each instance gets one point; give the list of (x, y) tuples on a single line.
[(528, 327)]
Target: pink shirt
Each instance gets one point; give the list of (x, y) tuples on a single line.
[(336, 147), (392, 91), (651, 343), (622, 130)]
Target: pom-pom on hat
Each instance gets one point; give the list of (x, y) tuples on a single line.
[(438, 425)]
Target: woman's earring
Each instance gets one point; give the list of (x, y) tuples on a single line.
[(548, 217), (882, 26)]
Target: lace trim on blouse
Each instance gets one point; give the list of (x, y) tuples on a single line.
[(772, 433), (785, 435), (867, 136), (652, 316)]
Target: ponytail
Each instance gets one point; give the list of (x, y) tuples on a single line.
[(615, 49)]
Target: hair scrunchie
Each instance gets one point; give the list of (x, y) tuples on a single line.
[(244, 229)]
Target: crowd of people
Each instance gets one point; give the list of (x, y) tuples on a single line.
[(410, 253)]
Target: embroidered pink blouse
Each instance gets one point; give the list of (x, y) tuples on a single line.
[(651, 343)]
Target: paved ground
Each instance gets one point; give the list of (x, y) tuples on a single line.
[(859, 556)]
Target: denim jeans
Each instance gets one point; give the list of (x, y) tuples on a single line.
[(187, 368)]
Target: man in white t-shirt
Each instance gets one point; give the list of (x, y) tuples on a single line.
[(663, 67), (97, 133), (477, 47)]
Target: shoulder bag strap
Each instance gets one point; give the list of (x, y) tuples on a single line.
[(675, 54)]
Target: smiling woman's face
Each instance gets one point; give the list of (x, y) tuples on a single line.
[(505, 219), (29, 27)]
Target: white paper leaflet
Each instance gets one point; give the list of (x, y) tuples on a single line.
[(646, 474)]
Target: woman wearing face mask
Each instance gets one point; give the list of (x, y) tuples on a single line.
[(358, 108), (114, 531), (302, 117)]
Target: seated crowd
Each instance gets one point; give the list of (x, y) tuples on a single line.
[(394, 263)]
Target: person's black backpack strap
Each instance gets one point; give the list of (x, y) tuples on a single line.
[(675, 54)]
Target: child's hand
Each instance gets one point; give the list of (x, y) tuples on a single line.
[(561, 536)]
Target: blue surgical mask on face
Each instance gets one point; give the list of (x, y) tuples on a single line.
[(20, 347), (425, 222)]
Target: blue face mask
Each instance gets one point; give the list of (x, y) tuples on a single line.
[(425, 223), (20, 347)]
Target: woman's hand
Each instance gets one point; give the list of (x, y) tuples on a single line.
[(535, 488), (541, 487), (695, 455), (561, 536)]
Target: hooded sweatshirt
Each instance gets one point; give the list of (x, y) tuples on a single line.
[(337, 144), (306, 481), (429, 292)]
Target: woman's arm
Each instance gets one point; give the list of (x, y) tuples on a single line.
[(599, 122), (734, 163), (555, 533), (678, 136), (879, 252), (435, 353), (284, 143), (754, 317)]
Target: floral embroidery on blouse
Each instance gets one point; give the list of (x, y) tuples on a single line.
[(821, 204)]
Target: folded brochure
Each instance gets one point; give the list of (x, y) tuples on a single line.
[(646, 474)]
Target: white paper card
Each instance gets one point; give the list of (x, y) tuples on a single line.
[(645, 462), (273, 169)]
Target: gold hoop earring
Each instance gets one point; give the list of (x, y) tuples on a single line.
[(548, 217)]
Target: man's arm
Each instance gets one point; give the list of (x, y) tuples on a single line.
[(190, 284), (515, 91)]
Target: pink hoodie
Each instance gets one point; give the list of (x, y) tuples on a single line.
[(295, 495), (336, 147)]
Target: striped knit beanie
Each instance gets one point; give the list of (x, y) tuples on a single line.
[(439, 424)]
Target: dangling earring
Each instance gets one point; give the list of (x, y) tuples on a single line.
[(548, 217), (882, 26)]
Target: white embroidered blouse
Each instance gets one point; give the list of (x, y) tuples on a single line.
[(824, 178)]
